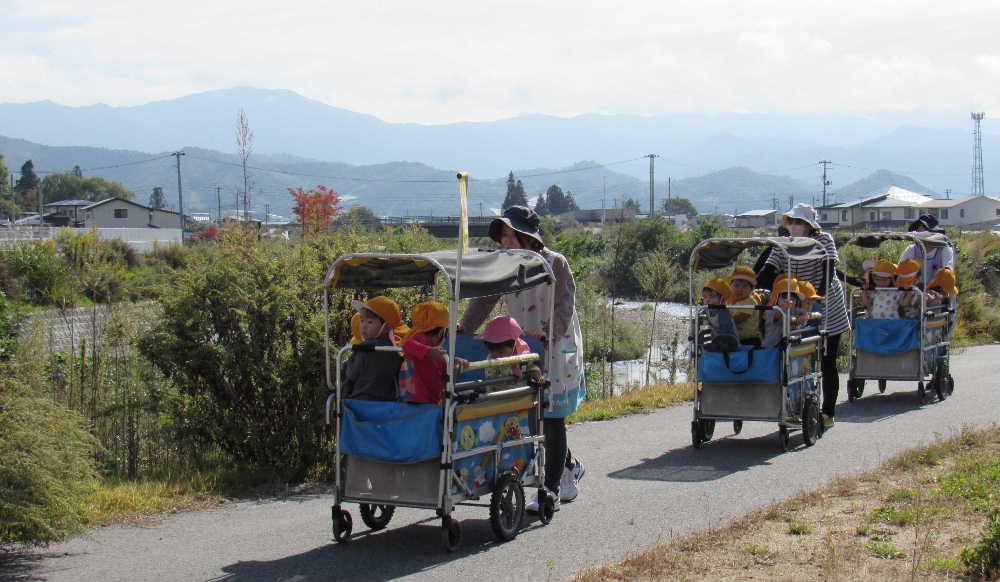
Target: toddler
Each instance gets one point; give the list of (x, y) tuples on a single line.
[(787, 298), (502, 338), (426, 356), (807, 315), (714, 295), (742, 282), (910, 295), (942, 289), (370, 374), (882, 299)]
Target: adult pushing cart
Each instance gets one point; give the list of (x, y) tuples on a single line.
[(887, 346), (485, 437), (780, 383)]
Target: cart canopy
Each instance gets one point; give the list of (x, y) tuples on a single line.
[(717, 253), (873, 240), (484, 273)]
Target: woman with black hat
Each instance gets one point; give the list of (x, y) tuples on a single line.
[(937, 257), (518, 229)]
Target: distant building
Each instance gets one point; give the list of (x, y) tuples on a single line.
[(756, 219), (896, 208), (109, 213), (598, 216)]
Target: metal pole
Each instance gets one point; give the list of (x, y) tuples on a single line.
[(652, 207), (218, 202), (180, 191)]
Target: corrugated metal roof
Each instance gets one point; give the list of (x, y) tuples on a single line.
[(751, 213)]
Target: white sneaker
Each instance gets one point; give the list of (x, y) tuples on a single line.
[(567, 487), (532, 507)]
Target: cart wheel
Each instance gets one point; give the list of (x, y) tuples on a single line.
[(812, 422), (921, 393), (737, 426), (855, 388), (451, 534), (943, 386), (376, 517), (783, 438), (697, 438), (341, 524), (708, 429), (546, 506), (951, 384), (507, 508), (881, 386)]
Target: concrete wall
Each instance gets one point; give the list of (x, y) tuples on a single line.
[(141, 239)]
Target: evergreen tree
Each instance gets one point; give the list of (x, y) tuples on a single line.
[(515, 193), (542, 205), (157, 200), (29, 180), (559, 202), (675, 206), (4, 179)]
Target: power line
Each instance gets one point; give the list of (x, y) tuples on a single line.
[(109, 167)]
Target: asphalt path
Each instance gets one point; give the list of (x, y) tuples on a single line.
[(644, 484)]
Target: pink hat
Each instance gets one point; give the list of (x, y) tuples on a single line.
[(501, 329)]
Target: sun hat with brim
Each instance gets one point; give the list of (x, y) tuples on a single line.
[(721, 287), (807, 291), (386, 309), (519, 218), (356, 329), (744, 274), (804, 212), (928, 221), (907, 272), (785, 287), (945, 279), (884, 268), (502, 328), (427, 316)]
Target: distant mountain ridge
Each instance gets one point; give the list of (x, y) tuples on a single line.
[(690, 145), (879, 182)]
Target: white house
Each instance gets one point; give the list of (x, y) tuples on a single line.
[(889, 210), (109, 213), (756, 219), (964, 211)]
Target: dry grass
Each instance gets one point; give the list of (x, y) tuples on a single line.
[(131, 501), (908, 520), (634, 402)]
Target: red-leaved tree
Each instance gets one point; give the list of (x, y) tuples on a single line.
[(316, 208)]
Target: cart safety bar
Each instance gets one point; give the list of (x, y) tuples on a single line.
[(507, 393), (805, 340), (500, 446), (329, 401), (498, 362), (373, 348), (481, 385)]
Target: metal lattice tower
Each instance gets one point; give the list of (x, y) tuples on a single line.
[(977, 155)]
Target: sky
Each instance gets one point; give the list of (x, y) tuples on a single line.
[(448, 61)]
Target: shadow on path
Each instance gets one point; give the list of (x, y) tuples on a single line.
[(384, 555), (715, 460), (18, 566), (876, 407)]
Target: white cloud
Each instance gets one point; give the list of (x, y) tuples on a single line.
[(447, 61)]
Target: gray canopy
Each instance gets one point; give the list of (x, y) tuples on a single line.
[(484, 273), (717, 253), (875, 239)]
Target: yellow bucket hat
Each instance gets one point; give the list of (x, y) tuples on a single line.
[(427, 316), (785, 286), (744, 274), (884, 268), (945, 279), (807, 291), (386, 309), (356, 329), (721, 287), (907, 272)]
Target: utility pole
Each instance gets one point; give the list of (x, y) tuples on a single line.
[(774, 202), (652, 207), (668, 188), (791, 202), (947, 193), (604, 212), (180, 191), (825, 164), (218, 202), (267, 211)]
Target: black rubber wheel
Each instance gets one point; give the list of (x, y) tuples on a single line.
[(783, 438), (951, 385), (812, 422), (507, 508), (376, 517), (737, 426), (451, 534), (342, 524), (855, 388), (921, 393), (882, 385), (697, 438), (708, 429), (546, 507)]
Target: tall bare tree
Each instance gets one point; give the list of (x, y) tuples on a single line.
[(244, 143)]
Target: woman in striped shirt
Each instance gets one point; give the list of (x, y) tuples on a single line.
[(801, 221)]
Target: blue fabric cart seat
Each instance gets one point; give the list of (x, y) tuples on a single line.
[(761, 365), (392, 432), (887, 336)]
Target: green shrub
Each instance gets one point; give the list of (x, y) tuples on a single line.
[(983, 560), (44, 274), (8, 328), (46, 472)]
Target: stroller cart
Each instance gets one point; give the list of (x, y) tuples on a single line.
[(774, 384), (483, 439), (913, 350)]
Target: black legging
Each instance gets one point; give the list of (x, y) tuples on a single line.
[(831, 378), (555, 451)]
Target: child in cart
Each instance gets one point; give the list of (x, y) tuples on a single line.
[(787, 298), (882, 300), (724, 338), (502, 339), (807, 316), (370, 374), (910, 295), (424, 353), (742, 282), (942, 289)]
